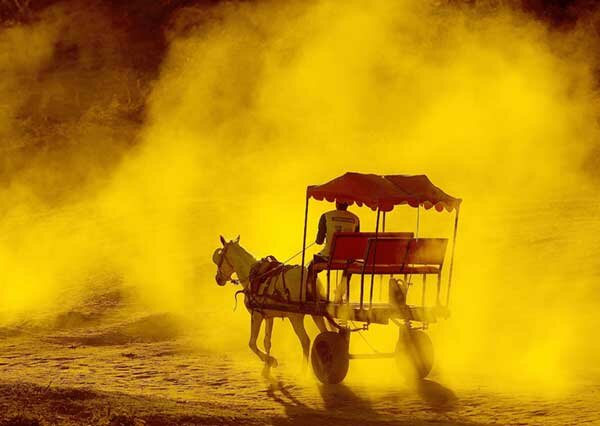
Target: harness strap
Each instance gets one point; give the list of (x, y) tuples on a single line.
[(285, 289), (282, 264), (248, 291)]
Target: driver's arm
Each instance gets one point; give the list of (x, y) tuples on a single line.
[(322, 230)]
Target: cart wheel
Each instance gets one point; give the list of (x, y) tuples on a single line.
[(415, 351), (329, 357)]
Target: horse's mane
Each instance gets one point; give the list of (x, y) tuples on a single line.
[(247, 254)]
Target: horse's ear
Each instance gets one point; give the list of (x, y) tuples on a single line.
[(237, 240), (222, 239)]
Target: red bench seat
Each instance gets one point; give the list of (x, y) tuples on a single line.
[(347, 247), (389, 256)]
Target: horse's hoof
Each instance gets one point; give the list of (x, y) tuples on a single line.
[(266, 372), (271, 362)]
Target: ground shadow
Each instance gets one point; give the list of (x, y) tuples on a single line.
[(341, 404), (340, 398), (437, 396)]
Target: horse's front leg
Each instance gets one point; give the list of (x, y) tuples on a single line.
[(255, 323), (271, 361), (298, 324)]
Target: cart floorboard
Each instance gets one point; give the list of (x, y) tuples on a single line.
[(377, 313)]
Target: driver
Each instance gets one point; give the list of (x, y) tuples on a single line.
[(338, 220)]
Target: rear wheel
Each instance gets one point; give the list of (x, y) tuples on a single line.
[(329, 357), (414, 353)]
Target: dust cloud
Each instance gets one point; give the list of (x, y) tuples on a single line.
[(256, 101)]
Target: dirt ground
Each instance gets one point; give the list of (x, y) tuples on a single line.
[(144, 371), (106, 361)]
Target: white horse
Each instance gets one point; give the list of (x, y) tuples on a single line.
[(234, 258)]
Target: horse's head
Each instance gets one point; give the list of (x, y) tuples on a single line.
[(221, 257)]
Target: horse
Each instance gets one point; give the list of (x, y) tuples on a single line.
[(232, 257)]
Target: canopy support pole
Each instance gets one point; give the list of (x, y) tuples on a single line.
[(304, 248), (381, 276), (374, 258), (452, 256), (418, 220)]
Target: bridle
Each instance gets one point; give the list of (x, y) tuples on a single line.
[(223, 259)]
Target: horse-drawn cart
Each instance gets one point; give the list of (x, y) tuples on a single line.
[(401, 256)]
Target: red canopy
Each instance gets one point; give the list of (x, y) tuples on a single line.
[(384, 192)]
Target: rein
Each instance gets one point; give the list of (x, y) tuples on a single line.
[(284, 263), (238, 281)]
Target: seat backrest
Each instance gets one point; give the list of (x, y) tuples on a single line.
[(426, 251), (386, 234), (386, 251), (347, 246), (352, 245)]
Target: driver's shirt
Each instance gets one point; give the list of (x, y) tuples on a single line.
[(335, 221)]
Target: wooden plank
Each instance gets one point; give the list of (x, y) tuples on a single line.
[(379, 355), (380, 313)]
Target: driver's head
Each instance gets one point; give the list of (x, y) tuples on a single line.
[(341, 206)]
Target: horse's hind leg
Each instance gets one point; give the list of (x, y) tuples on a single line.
[(320, 322), (298, 324)]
